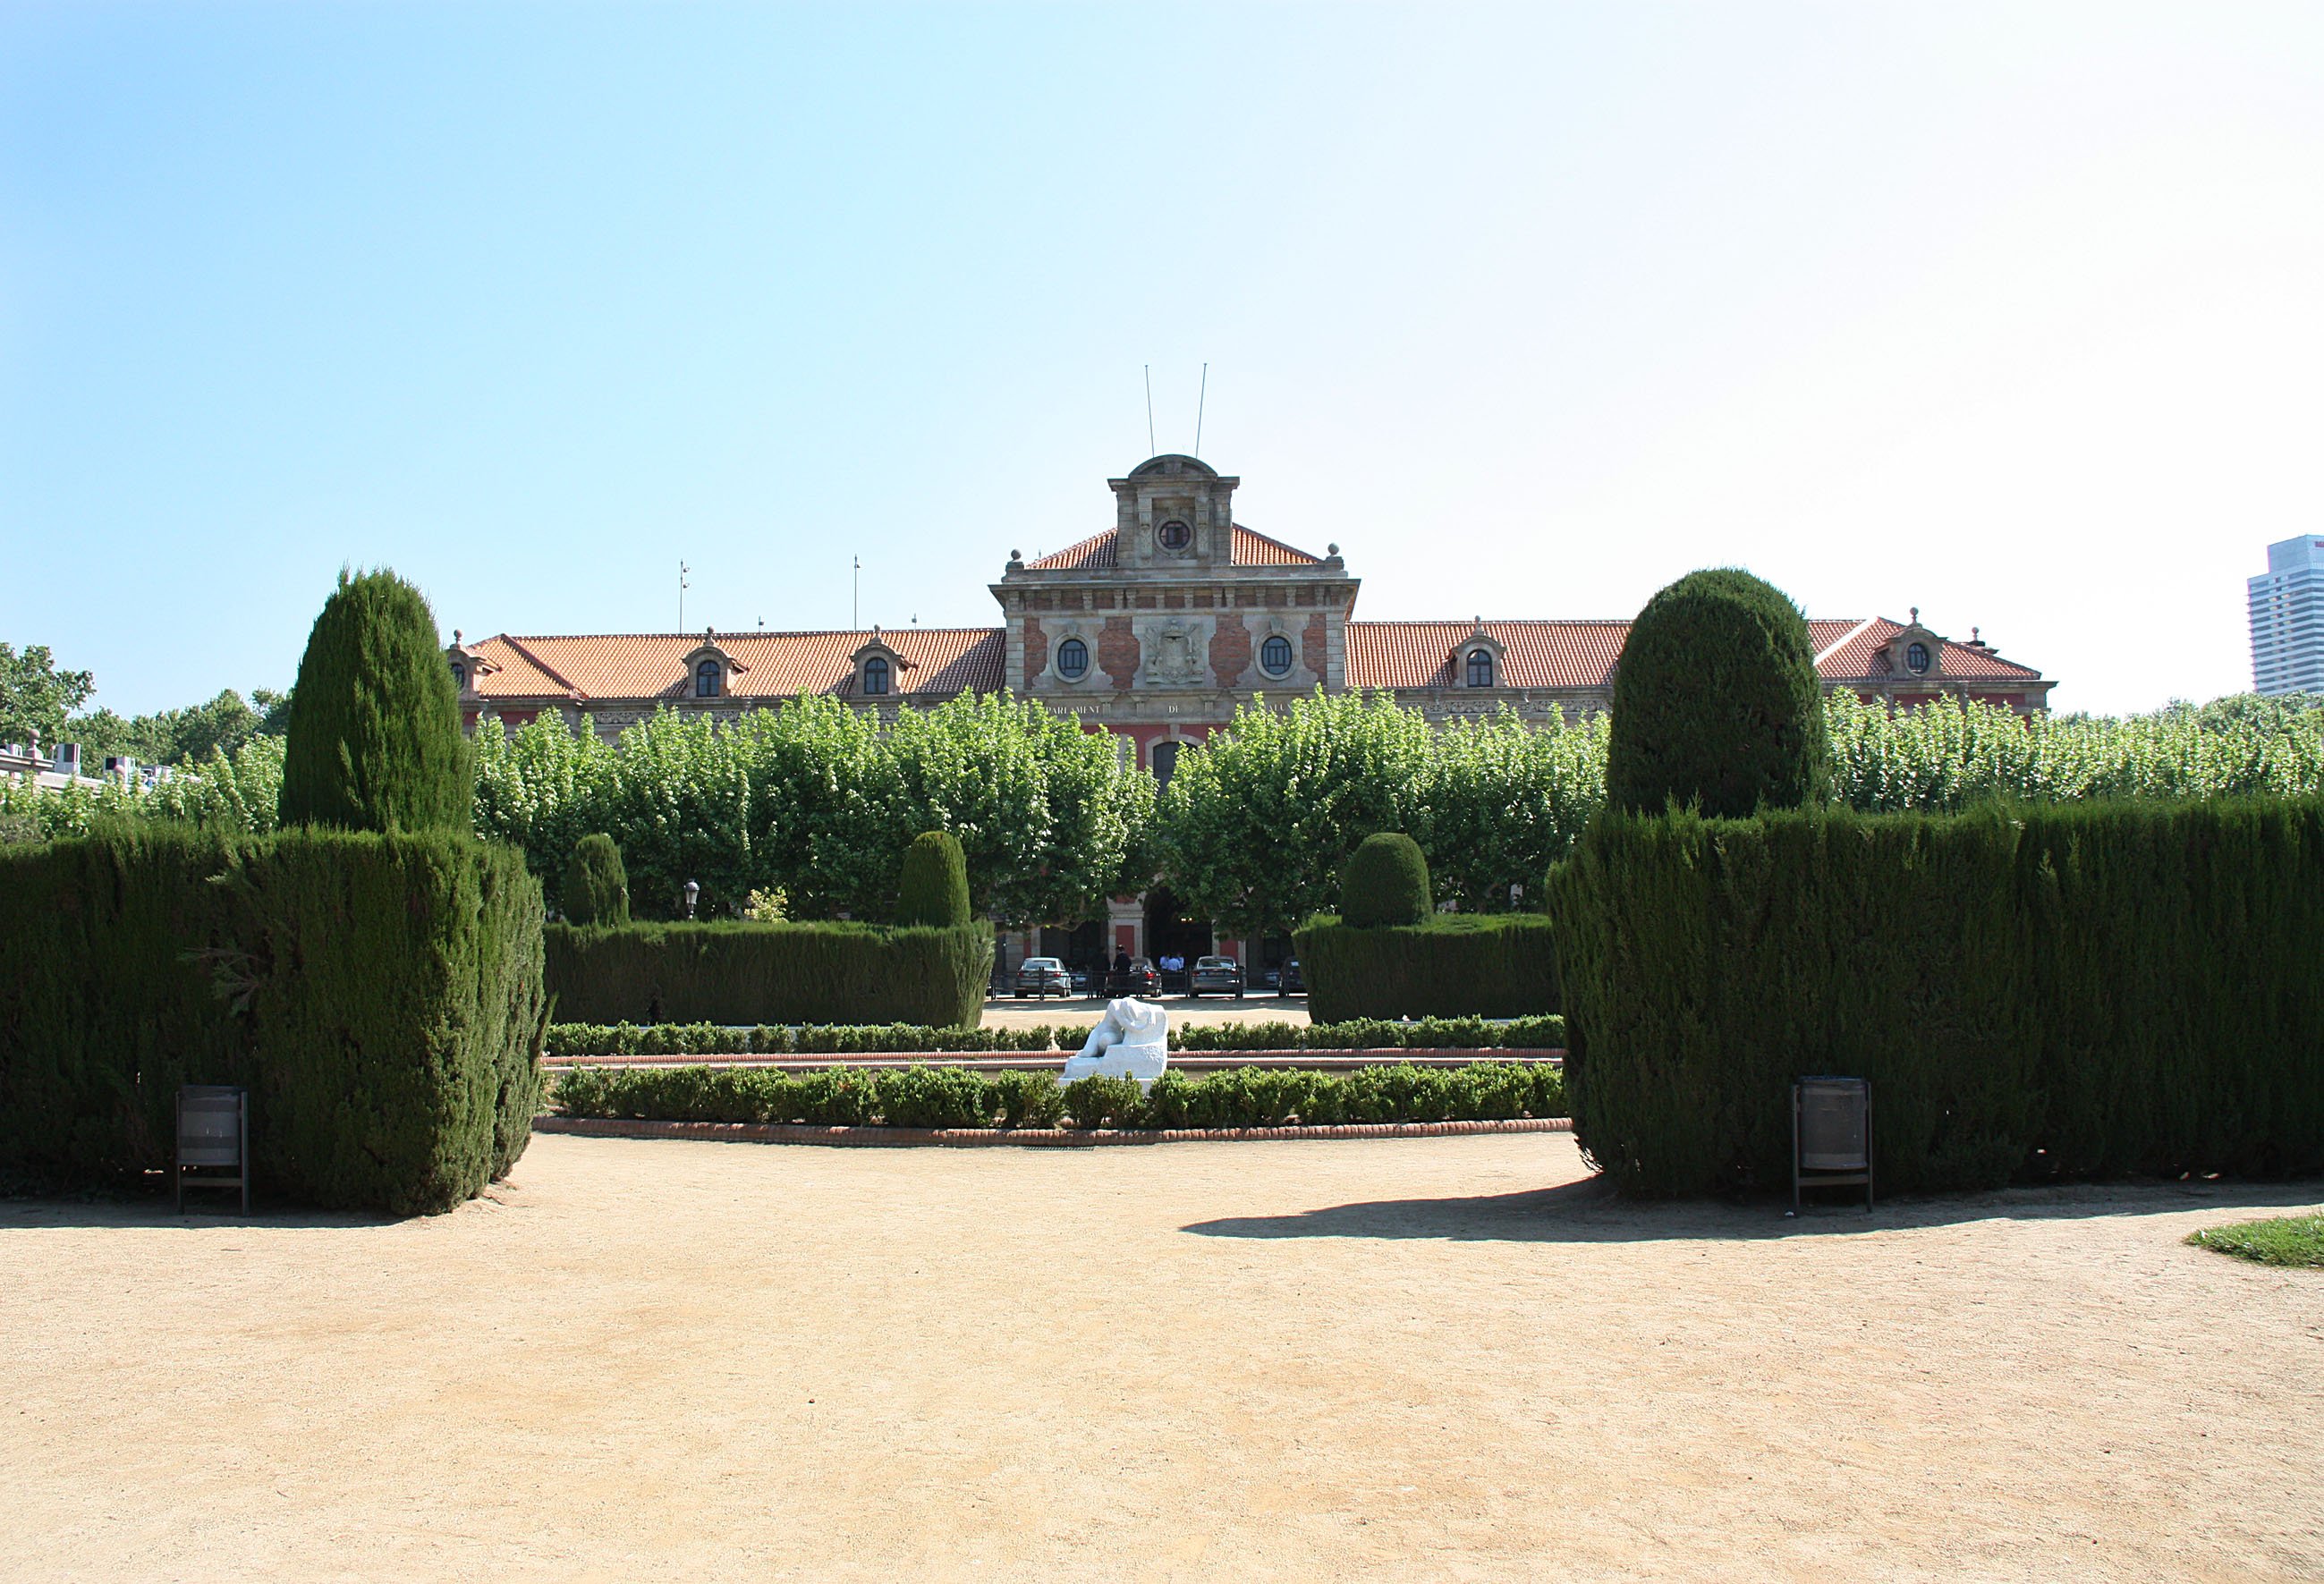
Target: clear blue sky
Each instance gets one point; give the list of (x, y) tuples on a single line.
[(2012, 312)]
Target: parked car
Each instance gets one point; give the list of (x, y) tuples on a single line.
[(1221, 974), (1288, 980), (1142, 978), (1043, 977)]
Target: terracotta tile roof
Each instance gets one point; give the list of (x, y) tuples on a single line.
[(1098, 553), (1581, 654), (938, 660)]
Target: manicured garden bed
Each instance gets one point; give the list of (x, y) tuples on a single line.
[(589, 1040)]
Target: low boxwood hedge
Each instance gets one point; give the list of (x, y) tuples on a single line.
[(737, 973), (713, 1040), (1455, 965), (949, 1097)]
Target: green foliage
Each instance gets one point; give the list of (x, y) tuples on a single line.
[(716, 1039), (1716, 701), (741, 973), (933, 890), (375, 742), (379, 995), (815, 799), (596, 887), (1490, 965), (2069, 992), (937, 1097), (2287, 1240), (1387, 883), (35, 697)]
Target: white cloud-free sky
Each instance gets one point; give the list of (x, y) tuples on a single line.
[(2012, 312)]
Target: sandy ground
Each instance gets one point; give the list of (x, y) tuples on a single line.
[(1398, 1359), (1085, 1011)]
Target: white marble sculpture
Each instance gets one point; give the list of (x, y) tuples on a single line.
[(1132, 1040)]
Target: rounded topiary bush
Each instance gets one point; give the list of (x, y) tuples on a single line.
[(1716, 701), (375, 739), (596, 886), (934, 885), (1387, 883)]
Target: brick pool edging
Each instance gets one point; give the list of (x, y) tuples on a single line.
[(1054, 1137), (1324, 1061)]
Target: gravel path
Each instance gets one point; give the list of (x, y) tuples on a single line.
[(1414, 1359)]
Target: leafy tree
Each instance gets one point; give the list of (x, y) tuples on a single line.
[(596, 887), (933, 890), (374, 741), (1387, 883), (35, 697), (1257, 824), (1506, 799), (1716, 701)]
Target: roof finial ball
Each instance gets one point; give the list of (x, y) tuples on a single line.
[(1917, 615), (456, 635)]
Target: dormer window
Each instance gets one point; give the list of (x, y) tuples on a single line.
[(1275, 655), (1073, 659), (1916, 658), (1174, 535), (1480, 667), (875, 676), (707, 681), (460, 675)]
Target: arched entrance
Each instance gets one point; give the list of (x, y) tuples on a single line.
[(1169, 933)]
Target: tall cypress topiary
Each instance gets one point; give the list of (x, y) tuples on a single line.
[(375, 742), (596, 886), (1387, 883), (934, 886), (1716, 701)]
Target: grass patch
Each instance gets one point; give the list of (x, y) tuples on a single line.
[(2285, 1239)]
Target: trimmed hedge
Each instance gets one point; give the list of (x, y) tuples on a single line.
[(379, 995), (713, 1039), (1387, 883), (596, 885), (933, 891), (2054, 992), (1475, 964), (938, 1097), (739, 973), (1716, 701)]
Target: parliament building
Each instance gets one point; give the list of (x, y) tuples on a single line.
[(1157, 629)]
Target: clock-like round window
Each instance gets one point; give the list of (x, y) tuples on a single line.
[(1073, 659), (1275, 655), (1174, 535), (1916, 658)]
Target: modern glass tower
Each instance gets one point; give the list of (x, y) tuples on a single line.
[(2287, 619)]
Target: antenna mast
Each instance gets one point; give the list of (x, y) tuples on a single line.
[(1151, 449), (682, 570), (1199, 401), (855, 600)]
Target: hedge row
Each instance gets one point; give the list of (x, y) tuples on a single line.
[(951, 1097), (1486, 965), (747, 973), (379, 996), (712, 1039), (2061, 991)]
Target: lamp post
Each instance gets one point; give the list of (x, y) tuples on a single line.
[(693, 890)]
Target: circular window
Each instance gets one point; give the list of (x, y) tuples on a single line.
[(1916, 658), (1073, 659), (1275, 655), (1175, 535)]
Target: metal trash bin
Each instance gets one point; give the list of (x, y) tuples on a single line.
[(1831, 1134), (212, 1132)]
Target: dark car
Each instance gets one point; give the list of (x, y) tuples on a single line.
[(1220, 974), (1140, 979), (1043, 977), (1289, 981)]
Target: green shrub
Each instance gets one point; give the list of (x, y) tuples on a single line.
[(938, 1097), (375, 739), (596, 887), (1481, 966), (1030, 1100), (1387, 883), (1092, 1102), (734, 973), (713, 1040), (2062, 992), (380, 996), (1716, 701), (933, 892)]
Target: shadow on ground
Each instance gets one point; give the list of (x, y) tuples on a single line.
[(1588, 1211), (50, 1212)]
